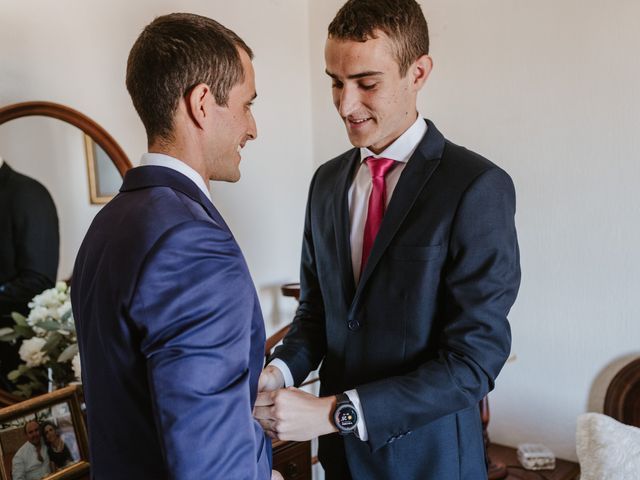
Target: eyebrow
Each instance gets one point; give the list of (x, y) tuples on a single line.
[(371, 73)]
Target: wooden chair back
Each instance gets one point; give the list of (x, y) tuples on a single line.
[(622, 400)]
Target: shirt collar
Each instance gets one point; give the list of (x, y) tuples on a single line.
[(162, 160), (404, 146)]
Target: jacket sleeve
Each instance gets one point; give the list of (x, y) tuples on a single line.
[(37, 242), (481, 279), (304, 346), (193, 307)]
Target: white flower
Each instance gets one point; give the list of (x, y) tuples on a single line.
[(63, 309), (37, 314), (77, 368), (31, 352)]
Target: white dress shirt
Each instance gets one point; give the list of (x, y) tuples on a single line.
[(162, 160), (401, 151), (25, 464)]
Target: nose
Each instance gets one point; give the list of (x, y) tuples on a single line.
[(347, 100), (252, 131)]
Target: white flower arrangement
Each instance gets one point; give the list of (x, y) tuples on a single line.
[(49, 346)]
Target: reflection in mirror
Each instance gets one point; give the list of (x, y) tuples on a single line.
[(104, 178), (53, 153)]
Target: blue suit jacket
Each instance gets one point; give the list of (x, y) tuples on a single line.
[(424, 334), (171, 337)]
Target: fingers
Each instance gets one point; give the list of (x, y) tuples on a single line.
[(265, 399), (264, 381), (275, 475), (270, 379), (263, 413)]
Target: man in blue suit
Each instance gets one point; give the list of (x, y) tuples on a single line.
[(170, 330), (409, 268)]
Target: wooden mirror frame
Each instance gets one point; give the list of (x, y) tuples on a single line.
[(75, 118)]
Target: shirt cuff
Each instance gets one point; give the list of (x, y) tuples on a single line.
[(361, 426), (286, 373)]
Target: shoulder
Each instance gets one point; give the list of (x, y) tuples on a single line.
[(332, 173), (337, 164), (151, 213), (22, 451), (464, 167), (24, 188)]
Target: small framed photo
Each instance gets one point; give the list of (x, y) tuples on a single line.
[(104, 178), (44, 438)]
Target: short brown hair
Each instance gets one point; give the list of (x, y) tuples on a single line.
[(173, 54), (401, 20)]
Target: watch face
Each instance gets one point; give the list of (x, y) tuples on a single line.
[(346, 418)]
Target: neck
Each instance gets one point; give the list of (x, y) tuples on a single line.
[(183, 151)]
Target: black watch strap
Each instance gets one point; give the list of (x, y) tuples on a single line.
[(345, 416)]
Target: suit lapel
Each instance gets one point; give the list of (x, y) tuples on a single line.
[(412, 181), (342, 222)]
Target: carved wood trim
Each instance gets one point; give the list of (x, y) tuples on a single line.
[(622, 400), (75, 118)]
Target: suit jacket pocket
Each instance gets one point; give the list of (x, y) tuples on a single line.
[(411, 254)]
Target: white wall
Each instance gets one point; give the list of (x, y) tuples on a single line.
[(549, 91), (75, 53)]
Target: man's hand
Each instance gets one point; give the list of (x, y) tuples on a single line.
[(275, 475), (291, 414), (270, 379)]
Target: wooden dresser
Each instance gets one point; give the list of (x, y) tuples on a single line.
[(292, 459)]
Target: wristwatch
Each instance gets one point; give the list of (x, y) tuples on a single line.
[(345, 416)]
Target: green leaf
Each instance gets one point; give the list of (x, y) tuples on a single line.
[(24, 390), (23, 331), (19, 319), (9, 338), (68, 353), (66, 316), (52, 342), (6, 331), (49, 325)]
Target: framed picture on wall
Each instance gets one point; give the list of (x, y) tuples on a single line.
[(44, 437), (104, 178)]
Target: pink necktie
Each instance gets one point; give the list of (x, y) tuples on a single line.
[(379, 168)]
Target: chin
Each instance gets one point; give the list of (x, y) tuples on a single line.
[(233, 177), (358, 141)]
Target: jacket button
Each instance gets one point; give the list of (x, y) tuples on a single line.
[(354, 325)]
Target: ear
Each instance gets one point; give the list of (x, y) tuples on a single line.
[(197, 106), (419, 71)]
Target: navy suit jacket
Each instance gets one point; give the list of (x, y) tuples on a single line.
[(171, 337), (424, 334)]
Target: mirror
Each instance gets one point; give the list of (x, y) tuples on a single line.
[(72, 156), (80, 166)]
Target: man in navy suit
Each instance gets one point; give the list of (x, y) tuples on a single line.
[(170, 330), (409, 268)]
